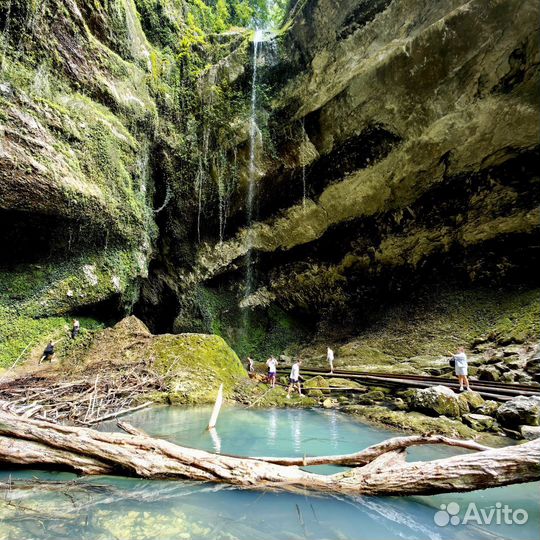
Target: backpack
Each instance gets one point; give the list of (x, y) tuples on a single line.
[(452, 362)]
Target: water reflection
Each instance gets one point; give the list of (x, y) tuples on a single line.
[(104, 508), (216, 440)]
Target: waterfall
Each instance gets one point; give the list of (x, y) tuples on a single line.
[(251, 191), (303, 166)]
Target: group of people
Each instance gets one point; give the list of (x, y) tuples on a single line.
[(459, 361), (49, 351), (294, 376)]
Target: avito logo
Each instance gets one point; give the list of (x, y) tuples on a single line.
[(499, 514)]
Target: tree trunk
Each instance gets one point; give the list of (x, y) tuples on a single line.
[(383, 469)]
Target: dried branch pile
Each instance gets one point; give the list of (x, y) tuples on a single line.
[(103, 391)]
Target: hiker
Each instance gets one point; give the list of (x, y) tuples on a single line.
[(75, 328), (272, 368), (48, 353), (251, 365), (294, 378), (460, 367), (330, 358)]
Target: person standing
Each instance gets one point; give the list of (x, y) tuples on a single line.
[(75, 328), (251, 365), (330, 358), (460, 367), (272, 369), (294, 378)]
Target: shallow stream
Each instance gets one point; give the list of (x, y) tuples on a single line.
[(124, 508)]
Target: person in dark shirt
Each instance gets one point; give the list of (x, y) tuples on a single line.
[(48, 353)]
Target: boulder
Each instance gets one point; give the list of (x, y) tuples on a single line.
[(473, 399), (530, 432), (400, 404), (518, 411), (371, 397), (317, 382), (509, 377), (479, 422), (489, 373), (533, 368), (329, 403), (437, 400), (489, 408), (345, 383), (316, 387)]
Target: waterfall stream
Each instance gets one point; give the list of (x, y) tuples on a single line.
[(252, 187)]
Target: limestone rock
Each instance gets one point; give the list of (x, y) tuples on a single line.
[(489, 373), (329, 403), (479, 422), (474, 399), (437, 400), (317, 382), (489, 408), (520, 410), (530, 432), (371, 397), (340, 382)]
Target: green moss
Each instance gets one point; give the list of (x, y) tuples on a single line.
[(263, 333), (411, 421), (195, 365), (58, 287), (435, 323), (27, 336)]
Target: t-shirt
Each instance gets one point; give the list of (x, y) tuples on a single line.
[(330, 354), (271, 366), (461, 360), (295, 372)]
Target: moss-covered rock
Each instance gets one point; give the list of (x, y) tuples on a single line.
[(340, 382), (479, 422), (438, 400), (319, 384), (474, 400), (193, 365), (411, 421)]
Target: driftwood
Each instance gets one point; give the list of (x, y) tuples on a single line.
[(102, 391), (379, 470)]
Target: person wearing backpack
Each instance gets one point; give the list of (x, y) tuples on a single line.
[(460, 364)]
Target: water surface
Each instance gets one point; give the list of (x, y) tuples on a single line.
[(124, 508)]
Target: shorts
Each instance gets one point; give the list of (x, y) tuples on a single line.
[(293, 381), (271, 374), (461, 370)]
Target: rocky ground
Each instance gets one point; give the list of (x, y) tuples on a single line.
[(189, 368)]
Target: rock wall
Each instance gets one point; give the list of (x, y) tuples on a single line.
[(395, 146), (414, 126)]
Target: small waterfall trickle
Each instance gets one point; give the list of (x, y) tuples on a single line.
[(303, 166), (251, 191)]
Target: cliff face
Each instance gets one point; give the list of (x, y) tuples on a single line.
[(414, 126), (395, 144)]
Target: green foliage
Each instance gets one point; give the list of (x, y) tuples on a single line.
[(26, 337), (266, 332)]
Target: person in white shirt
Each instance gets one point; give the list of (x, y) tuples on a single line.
[(294, 379), (330, 358), (272, 369), (461, 364)]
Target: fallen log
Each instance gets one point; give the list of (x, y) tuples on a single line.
[(30, 442)]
